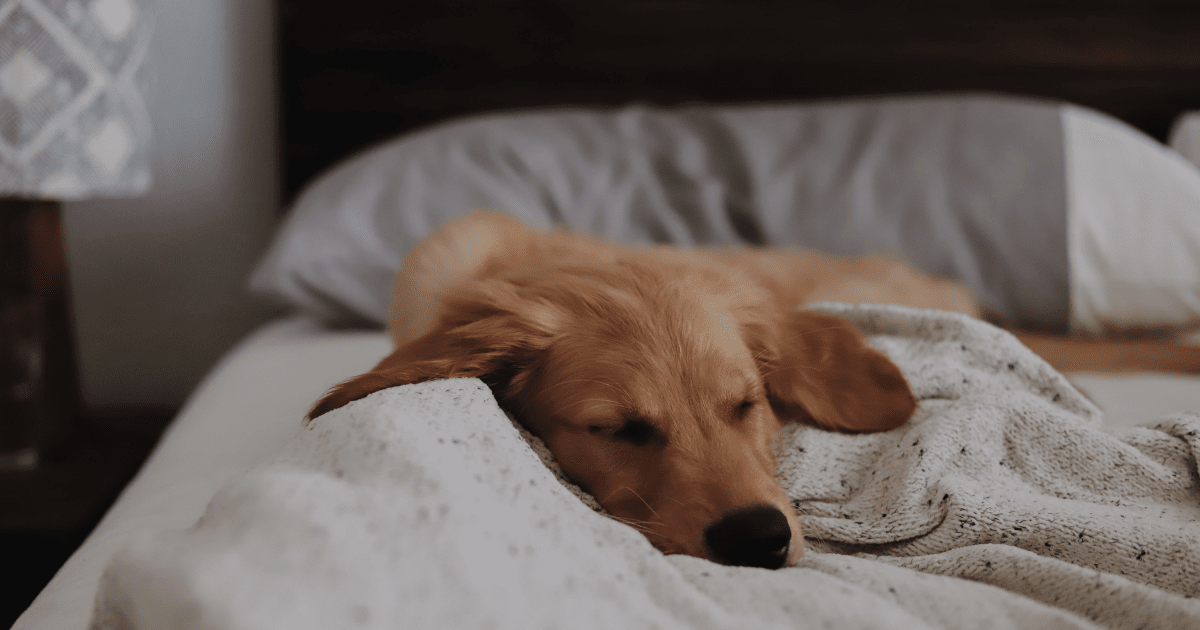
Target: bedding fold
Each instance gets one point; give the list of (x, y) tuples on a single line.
[(1002, 504)]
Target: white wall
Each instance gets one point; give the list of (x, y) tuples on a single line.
[(158, 281)]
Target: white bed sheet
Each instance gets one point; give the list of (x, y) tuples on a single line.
[(255, 398)]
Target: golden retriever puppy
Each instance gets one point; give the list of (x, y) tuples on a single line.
[(656, 376)]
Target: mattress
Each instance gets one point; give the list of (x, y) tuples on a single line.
[(252, 403)]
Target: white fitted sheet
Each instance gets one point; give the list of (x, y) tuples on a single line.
[(253, 402)]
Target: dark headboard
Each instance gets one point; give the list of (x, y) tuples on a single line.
[(357, 71)]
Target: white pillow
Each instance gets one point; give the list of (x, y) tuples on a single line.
[(1058, 217), (1134, 236), (1185, 136), (964, 186)]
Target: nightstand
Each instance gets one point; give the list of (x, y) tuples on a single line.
[(47, 512)]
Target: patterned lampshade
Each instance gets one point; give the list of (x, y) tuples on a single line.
[(73, 119)]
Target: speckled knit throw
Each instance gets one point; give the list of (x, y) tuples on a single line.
[(1002, 504)]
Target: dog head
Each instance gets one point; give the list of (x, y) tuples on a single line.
[(658, 387)]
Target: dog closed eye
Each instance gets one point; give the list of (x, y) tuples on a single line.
[(635, 431), (744, 408)]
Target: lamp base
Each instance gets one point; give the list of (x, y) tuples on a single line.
[(38, 384)]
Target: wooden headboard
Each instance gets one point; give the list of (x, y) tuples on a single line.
[(357, 71)]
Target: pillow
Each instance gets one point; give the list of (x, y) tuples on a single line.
[(972, 187), (1134, 228), (969, 187), (1185, 136)]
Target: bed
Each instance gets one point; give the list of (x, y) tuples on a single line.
[(245, 518)]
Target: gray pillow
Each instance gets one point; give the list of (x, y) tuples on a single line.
[(970, 187)]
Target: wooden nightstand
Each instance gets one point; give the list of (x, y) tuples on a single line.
[(46, 513)]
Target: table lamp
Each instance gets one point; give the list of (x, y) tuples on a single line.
[(73, 125)]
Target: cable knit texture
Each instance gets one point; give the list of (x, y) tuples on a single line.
[(1001, 504)]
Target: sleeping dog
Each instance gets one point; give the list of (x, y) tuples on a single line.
[(657, 376)]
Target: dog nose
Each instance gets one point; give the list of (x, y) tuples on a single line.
[(756, 536)]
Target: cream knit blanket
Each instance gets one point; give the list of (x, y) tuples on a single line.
[(1002, 504)]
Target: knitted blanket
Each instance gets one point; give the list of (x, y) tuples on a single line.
[(1002, 504)]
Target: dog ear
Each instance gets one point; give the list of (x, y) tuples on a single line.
[(485, 331), (821, 369), (468, 247)]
